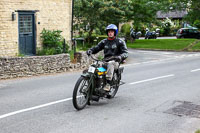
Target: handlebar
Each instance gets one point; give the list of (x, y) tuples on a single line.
[(103, 60)]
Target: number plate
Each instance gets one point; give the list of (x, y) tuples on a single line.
[(91, 69)]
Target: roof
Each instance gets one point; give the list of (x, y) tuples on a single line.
[(171, 14)]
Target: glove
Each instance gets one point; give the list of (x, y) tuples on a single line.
[(89, 52), (118, 58)]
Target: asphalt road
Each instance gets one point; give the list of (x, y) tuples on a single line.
[(156, 81)]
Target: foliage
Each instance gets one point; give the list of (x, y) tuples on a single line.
[(71, 53), (51, 38), (167, 26), (197, 23), (125, 29), (95, 15), (193, 11), (99, 38), (21, 55), (142, 12), (52, 43), (92, 14)]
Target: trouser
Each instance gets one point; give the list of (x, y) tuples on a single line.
[(111, 66)]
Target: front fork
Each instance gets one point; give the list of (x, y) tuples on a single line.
[(91, 85)]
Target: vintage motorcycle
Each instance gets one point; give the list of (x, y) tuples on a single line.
[(135, 35), (89, 86), (152, 35)]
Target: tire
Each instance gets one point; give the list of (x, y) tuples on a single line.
[(81, 93), (114, 87)]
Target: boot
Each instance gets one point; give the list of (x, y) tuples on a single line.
[(107, 87)]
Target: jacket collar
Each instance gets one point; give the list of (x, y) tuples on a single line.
[(111, 38)]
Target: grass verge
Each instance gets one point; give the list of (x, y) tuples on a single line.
[(198, 131), (196, 47), (161, 44)]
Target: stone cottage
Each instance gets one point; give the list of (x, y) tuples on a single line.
[(21, 22)]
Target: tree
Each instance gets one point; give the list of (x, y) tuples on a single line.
[(142, 12), (193, 11), (191, 6), (99, 13), (96, 14)]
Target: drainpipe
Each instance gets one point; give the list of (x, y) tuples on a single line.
[(72, 20), (72, 40)]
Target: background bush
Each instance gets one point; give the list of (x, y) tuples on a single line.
[(197, 23), (125, 29), (52, 42)]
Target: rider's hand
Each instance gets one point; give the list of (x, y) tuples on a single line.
[(118, 58), (89, 52)]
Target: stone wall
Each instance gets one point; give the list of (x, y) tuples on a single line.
[(13, 67), (50, 14)]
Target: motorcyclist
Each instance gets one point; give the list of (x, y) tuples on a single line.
[(112, 46)]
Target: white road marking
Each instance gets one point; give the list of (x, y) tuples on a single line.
[(155, 52), (131, 52), (146, 80), (33, 108), (195, 70), (147, 62)]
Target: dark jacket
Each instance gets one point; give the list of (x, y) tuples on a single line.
[(116, 47)]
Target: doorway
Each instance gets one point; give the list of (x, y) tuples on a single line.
[(27, 39)]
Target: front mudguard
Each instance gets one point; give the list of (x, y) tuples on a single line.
[(85, 75)]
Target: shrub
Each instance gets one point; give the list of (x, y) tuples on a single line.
[(99, 38), (197, 23), (51, 38), (125, 29), (167, 24), (90, 39), (52, 42)]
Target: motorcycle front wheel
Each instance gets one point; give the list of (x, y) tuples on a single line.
[(81, 93)]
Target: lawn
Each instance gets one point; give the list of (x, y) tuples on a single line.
[(153, 44), (196, 48), (161, 44)]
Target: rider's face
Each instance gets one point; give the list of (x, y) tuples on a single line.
[(111, 33)]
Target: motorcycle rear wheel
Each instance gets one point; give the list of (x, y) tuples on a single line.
[(114, 87), (81, 93)]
